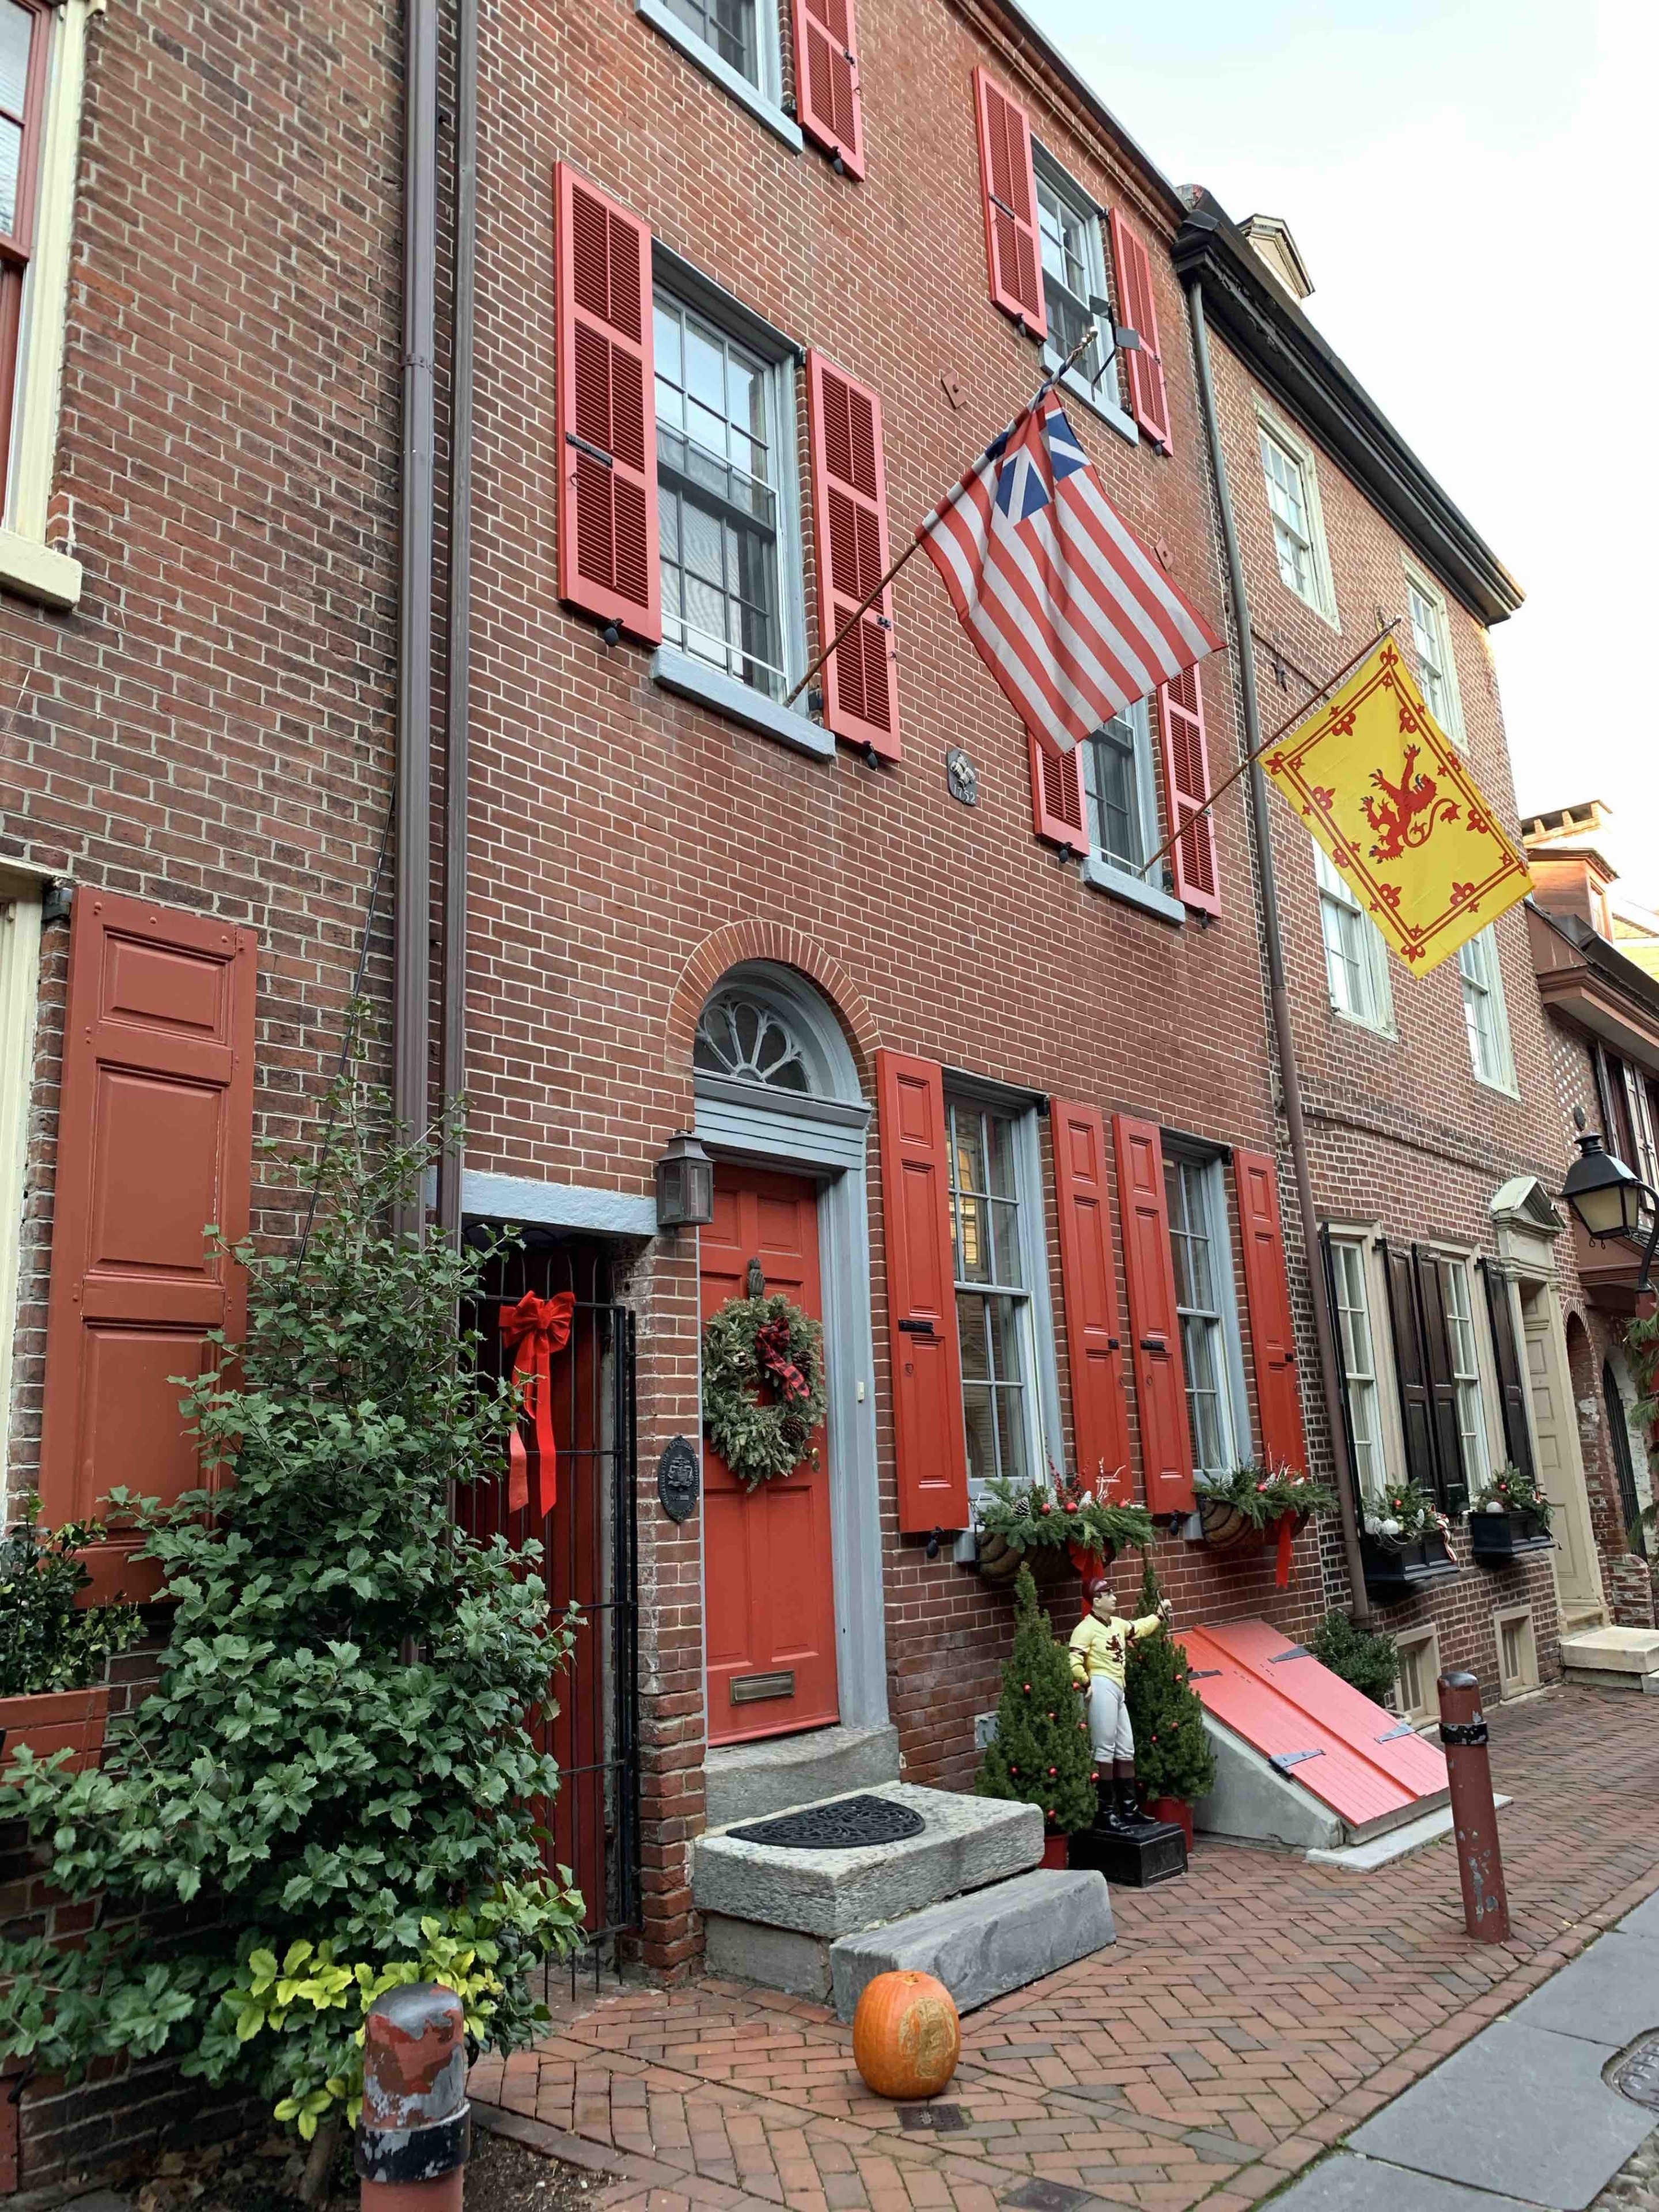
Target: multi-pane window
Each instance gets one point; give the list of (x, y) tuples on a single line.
[(1290, 505), (1073, 273), (1433, 640), (24, 32), (994, 1302), (1117, 784), (1466, 1375), (719, 490), (1356, 959), (729, 29), (1484, 1011), (1359, 1362), (1203, 1264)]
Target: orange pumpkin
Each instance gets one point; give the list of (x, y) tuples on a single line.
[(907, 2036)]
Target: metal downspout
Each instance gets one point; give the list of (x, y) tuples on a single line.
[(452, 1045), (1284, 1033)]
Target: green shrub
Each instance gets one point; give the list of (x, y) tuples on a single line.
[(1359, 1656), (46, 1641)]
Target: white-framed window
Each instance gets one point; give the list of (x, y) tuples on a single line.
[(1484, 1011), (1437, 671), (1646, 1162), (993, 1212), (1074, 273), (1293, 484), (1466, 1376), (20, 983), (1119, 788), (733, 32), (1415, 1696), (1353, 1319), (732, 578), (1356, 959), (1202, 1252)]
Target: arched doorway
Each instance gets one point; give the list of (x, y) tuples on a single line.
[(1619, 1394), (792, 1621)]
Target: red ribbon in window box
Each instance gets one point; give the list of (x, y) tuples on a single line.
[(1288, 1525), (532, 1331)]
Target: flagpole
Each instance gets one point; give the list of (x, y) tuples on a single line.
[(914, 546), (1249, 759)]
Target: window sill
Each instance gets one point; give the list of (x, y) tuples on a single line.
[(698, 50), (1505, 1087), (691, 678), (1097, 402), (35, 571), (1314, 606), (1117, 882), (1386, 1031)]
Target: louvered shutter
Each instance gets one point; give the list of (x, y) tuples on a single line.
[(1511, 1388), (1268, 1295), (1187, 783), (827, 79), (1411, 1368), (605, 417), (1148, 398), (155, 1137), (1166, 1445), (1058, 808), (1087, 1269), (1454, 1489), (1008, 184), (929, 1443), (849, 504)]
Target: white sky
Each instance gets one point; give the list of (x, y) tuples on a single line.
[(1467, 180)]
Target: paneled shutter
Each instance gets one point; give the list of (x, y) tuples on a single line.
[(1166, 1445), (1058, 805), (1331, 1308), (1187, 782), (1511, 1390), (1411, 1368), (1149, 401), (827, 79), (849, 502), (1088, 1268), (605, 414), (1008, 183), (1267, 1293), (155, 1137), (929, 1442), (1442, 1390)]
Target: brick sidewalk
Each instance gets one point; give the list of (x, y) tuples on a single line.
[(1247, 2018)]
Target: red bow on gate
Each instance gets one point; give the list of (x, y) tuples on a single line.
[(532, 1331)]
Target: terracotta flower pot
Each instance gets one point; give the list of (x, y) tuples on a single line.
[(54, 1720), (1176, 1811), (1056, 1851)]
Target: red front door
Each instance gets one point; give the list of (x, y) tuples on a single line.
[(769, 1590)]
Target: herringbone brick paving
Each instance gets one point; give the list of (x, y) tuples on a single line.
[(1246, 2019)]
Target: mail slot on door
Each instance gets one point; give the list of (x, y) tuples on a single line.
[(750, 1689)]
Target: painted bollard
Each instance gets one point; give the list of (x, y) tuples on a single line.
[(415, 2130), (1474, 1817)]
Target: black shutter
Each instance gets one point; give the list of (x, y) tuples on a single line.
[(1517, 1430), (1341, 1361), (1453, 1491), (1411, 1368)]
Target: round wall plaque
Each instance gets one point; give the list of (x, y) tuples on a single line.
[(961, 776), (679, 1478)]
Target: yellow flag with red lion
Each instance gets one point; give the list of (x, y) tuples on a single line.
[(1392, 800)]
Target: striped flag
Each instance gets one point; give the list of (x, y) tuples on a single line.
[(1072, 614)]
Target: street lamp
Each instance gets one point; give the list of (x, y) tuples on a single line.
[(1609, 1200)]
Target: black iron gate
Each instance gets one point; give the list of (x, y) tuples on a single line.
[(589, 1557)]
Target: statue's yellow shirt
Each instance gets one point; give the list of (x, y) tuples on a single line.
[(1099, 1647)]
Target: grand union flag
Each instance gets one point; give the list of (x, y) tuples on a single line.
[(1392, 800)]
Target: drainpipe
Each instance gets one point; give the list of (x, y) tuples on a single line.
[(412, 941), (453, 1044), (1284, 1033)]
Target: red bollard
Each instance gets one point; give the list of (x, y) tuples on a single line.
[(416, 2128), (1474, 1817)]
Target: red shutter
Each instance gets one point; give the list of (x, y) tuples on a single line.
[(928, 1440), (1009, 186), (827, 78), (605, 417), (1058, 807), (1149, 402), (1088, 1270), (1187, 783), (849, 505), (1267, 1293), (155, 1138), (1166, 1445)]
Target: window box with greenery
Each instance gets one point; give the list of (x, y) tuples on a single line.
[(1406, 1542), (53, 1652), (1055, 1532), (1510, 1519), (1248, 1503)]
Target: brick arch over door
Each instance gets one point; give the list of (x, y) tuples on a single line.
[(739, 942)]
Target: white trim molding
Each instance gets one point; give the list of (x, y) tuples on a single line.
[(20, 985), (557, 1204)]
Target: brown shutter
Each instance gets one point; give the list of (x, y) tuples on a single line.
[(604, 418), (1511, 1390), (929, 1442), (1267, 1293), (1088, 1268), (827, 79), (1166, 1444), (1058, 808), (849, 505), (1422, 1360), (1187, 783), (1008, 188), (1149, 401), (1442, 1390), (155, 1137)]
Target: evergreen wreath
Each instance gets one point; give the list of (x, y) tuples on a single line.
[(763, 1385)]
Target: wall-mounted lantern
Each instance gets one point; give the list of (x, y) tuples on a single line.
[(685, 1184)]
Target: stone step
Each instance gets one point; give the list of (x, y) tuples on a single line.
[(983, 1945), (1613, 1659), (751, 1781)]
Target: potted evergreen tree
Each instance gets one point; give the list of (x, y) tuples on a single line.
[(1174, 1762), (53, 1652), (1040, 1755)]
